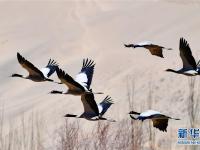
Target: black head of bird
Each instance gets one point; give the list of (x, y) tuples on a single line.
[(56, 92), (170, 70), (130, 45), (70, 115), (133, 112), (90, 91), (17, 75)]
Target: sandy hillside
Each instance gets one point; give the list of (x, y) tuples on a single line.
[(70, 31)]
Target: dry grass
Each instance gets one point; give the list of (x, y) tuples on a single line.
[(102, 135), (150, 127), (193, 106), (126, 134), (193, 103), (27, 135), (68, 136)]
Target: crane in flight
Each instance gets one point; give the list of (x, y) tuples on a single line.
[(92, 110), (35, 74), (190, 68), (154, 49), (160, 121), (81, 83)]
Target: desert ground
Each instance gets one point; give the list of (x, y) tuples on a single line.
[(69, 31)]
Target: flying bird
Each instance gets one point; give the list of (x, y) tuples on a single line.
[(92, 111), (34, 73), (190, 68), (82, 81), (153, 48), (160, 121)]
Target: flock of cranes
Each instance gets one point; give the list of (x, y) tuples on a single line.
[(80, 85)]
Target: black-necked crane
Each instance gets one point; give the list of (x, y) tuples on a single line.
[(92, 111), (160, 121), (34, 73), (82, 81), (189, 63), (153, 48)]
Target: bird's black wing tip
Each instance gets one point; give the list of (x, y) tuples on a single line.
[(163, 130), (182, 39), (88, 63), (20, 58), (162, 56), (108, 99), (18, 54), (52, 62)]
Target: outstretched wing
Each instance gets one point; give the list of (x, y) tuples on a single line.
[(161, 124), (50, 68), (155, 50), (186, 55), (104, 105), (86, 74), (33, 71), (68, 80), (89, 104)]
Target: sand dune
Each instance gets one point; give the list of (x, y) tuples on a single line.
[(70, 31)]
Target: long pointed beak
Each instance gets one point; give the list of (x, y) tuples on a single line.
[(99, 93), (58, 82), (133, 117), (56, 92), (111, 120)]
